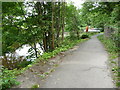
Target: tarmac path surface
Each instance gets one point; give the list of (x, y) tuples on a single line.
[(85, 68)]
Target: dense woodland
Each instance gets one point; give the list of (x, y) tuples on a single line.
[(45, 23)]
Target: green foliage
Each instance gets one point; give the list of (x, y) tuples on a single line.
[(113, 54), (99, 14), (115, 37), (35, 86), (12, 62), (84, 36), (73, 21), (118, 84), (66, 44), (110, 46), (23, 64), (47, 55), (47, 21), (88, 35), (8, 79)]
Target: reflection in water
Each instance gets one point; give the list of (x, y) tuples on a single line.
[(23, 51), (20, 58)]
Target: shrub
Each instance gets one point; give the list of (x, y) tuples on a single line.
[(12, 61), (35, 86), (23, 64), (84, 36), (110, 46), (8, 79)]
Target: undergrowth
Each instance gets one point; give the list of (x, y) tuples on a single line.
[(112, 50), (7, 78), (65, 45)]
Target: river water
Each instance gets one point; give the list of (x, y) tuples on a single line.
[(23, 51)]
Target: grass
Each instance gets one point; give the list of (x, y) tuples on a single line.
[(35, 86), (112, 50), (110, 47)]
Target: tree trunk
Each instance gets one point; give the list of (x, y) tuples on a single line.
[(63, 17), (59, 25), (35, 49), (44, 42), (78, 36), (52, 29)]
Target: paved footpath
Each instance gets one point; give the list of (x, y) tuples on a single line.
[(84, 68)]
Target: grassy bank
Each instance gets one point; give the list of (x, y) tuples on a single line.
[(112, 50)]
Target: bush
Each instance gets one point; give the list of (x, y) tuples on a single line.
[(13, 61), (110, 46), (23, 64), (116, 39), (84, 36), (8, 79)]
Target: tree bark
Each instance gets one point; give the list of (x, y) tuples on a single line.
[(58, 25), (35, 49), (52, 29), (44, 42), (63, 17)]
